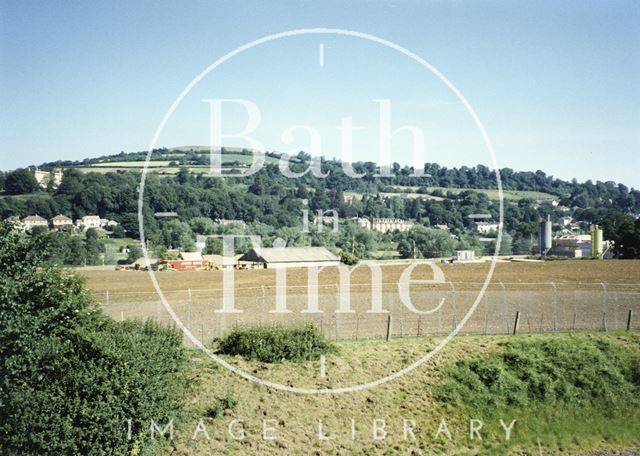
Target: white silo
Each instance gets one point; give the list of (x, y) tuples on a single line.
[(545, 236)]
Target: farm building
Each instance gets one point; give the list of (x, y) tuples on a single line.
[(464, 255), (138, 265), (219, 262), (290, 257), (188, 261)]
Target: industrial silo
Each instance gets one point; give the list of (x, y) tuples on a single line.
[(545, 236), (596, 241)]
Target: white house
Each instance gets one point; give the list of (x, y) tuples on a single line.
[(484, 227), (61, 222), (88, 221), (32, 221)]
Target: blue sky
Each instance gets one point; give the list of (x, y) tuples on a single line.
[(556, 85)]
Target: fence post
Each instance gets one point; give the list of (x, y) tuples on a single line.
[(418, 332), (337, 319), (107, 300), (604, 321), (388, 327), (357, 324), (515, 324), (629, 319)]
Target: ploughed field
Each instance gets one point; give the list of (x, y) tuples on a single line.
[(549, 296)]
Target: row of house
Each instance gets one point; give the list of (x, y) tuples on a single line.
[(61, 222), (384, 225), (480, 223)]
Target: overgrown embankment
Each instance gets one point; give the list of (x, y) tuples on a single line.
[(73, 381)]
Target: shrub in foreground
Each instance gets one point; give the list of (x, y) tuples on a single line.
[(278, 343), (70, 377)]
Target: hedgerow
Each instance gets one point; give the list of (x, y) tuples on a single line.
[(71, 378)]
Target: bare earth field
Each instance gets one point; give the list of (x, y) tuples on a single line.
[(549, 297), (559, 272)]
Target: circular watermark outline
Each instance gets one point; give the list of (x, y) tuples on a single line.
[(442, 78)]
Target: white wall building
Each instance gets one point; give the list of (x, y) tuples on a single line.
[(61, 221), (484, 227), (44, 177), (464, 255), (33, 221), (385, 225), (88, 221)]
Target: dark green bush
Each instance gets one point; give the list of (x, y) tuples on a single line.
[(582, 370), (278, 343), (70, 377)]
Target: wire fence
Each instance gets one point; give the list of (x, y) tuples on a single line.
[(362, 314)]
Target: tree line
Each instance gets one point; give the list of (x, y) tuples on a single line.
[(269, 199)]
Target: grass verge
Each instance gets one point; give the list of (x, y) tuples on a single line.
[(569, 394)]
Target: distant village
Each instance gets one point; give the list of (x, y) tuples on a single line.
[(564, 244), (561, 237)]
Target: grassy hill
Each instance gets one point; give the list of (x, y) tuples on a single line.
[(427, 395)]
